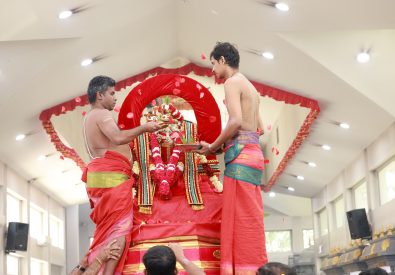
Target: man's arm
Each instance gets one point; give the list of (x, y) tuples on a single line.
[(110, 129), (189, 266), (111, 251), (233, 105)]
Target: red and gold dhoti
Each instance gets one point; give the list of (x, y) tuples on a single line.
[(243, 248), (109, 187)]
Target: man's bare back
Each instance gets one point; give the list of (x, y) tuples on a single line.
[(249, 101)]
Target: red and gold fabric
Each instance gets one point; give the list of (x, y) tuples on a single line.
[(243, 248), (109, 187)]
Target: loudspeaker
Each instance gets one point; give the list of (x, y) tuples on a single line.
[(358, 224), (17, 236)]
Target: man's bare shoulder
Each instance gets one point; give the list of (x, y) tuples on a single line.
[(100, 114)]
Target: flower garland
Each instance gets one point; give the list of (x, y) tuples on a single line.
[(165, 175), (213, 178)]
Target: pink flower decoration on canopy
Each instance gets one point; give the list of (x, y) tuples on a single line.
[(121, 126), (63, 109), (130, 115), (77, 99), (198, 87), (201, 94)]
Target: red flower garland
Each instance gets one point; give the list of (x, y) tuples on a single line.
[(165, 175)]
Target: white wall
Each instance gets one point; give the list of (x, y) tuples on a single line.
[(296, 225), (363, 167), (55, 257)]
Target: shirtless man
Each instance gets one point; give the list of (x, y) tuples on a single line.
[(108, 174), (242, 232)]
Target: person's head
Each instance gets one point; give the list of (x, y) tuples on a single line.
[(224, 56), (101, 91), (275, 268), (374, 271), (161, 260)]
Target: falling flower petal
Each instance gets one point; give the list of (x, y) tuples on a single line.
[(117, 109), (203, 56), (83, 113), (212, 119), (153, 103), (269, 127), (176, 91), (266, 161), (129, 115)]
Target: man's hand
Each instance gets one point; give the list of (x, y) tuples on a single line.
[(205, 150), (153, 126), (178, 251), (111, 251)]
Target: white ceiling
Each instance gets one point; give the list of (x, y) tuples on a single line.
[(314, 44)]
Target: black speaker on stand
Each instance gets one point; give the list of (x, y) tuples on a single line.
[(358, 224), (17, 236)]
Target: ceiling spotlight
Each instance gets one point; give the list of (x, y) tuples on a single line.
[(268, 55), (86, 62), (65, 14), (300, 177), (344, 125), (312, 164), (326, 147), (282, 6), (20, 137), (272, 194), (363, 57), (42, 157), (291, 188)]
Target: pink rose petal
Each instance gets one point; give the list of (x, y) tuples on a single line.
[(176, 91), (269, 127), (129, 115), (117, 109), (203, 56), (77, 99), (153, 103), (83, 113), (212, 119)]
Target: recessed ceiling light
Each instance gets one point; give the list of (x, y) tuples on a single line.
[(363, 57), (65, 14), (86, 62), (268, 55), (312, 164), (42, 157), (291, 188), (344, 125), (272, 194), (300, 177), (282, 6), (20, 137), (326, 147)]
